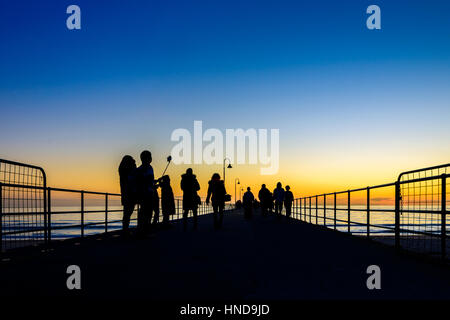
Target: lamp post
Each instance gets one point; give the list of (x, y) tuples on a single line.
[(238, 182), (229, 167), (240, 194)]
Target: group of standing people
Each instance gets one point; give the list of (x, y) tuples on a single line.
[(138, 186), (268, 201)]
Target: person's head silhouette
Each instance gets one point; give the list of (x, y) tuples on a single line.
[(189, 171), (127, 163), (263, 186), (288, 188), (215, 176), (248, 188), (146, 157), (165, 180), (279, 185)]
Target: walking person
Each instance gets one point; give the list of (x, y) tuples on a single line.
[(217, 192), (127, 176), (278, 196), (248, 204), (263, 196), (191, 200), (167, 200), (288, 200), (145, 180)]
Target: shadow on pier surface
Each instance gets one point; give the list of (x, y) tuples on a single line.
[(262, 259)]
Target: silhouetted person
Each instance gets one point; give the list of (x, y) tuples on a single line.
[(264, 198), (191, 200), (167, 200), (127, 175), (145, 180), (216, 192), (288, 200), (278, 196), (248, 203)]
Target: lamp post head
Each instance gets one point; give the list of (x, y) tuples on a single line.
[(229, 166)]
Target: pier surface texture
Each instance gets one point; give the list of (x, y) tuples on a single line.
[(264, 258)]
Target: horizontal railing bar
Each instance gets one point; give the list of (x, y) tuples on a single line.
[(423, 169), (12, 185), (438, 211), (57, 212)]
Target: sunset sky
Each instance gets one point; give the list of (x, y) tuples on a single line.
[(354, 107)]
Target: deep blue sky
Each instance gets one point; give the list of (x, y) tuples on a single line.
[(139, 69)]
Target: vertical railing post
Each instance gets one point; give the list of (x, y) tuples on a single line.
[(300, 212), (335, 211), (304, 209), (1, 218), (317, 213), (82, 213), (368, 212), (397, 215), (325, 210), (45, 211), (443, 217), (348, 211), (106, 212), (309, 209), (303, 215), (49, 213)]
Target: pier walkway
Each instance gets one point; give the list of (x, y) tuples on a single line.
[(264, 258)]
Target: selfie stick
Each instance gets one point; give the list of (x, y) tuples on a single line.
[(169, 158)]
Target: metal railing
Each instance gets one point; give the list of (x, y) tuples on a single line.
[(23, 203), (413, 217), (30, 214)]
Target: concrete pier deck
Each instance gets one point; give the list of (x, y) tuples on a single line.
[(264, 258)]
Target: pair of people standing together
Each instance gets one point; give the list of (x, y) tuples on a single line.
[(191, 200)]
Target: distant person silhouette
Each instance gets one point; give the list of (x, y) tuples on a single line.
[(288, 200), (217, 192), (278, 196), (145, 179), (127, 175), (265, 199), (191, 200), (167, 200), (248, 203)]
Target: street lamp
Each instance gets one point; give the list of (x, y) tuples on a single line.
[(238, 182), (229, 167)]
